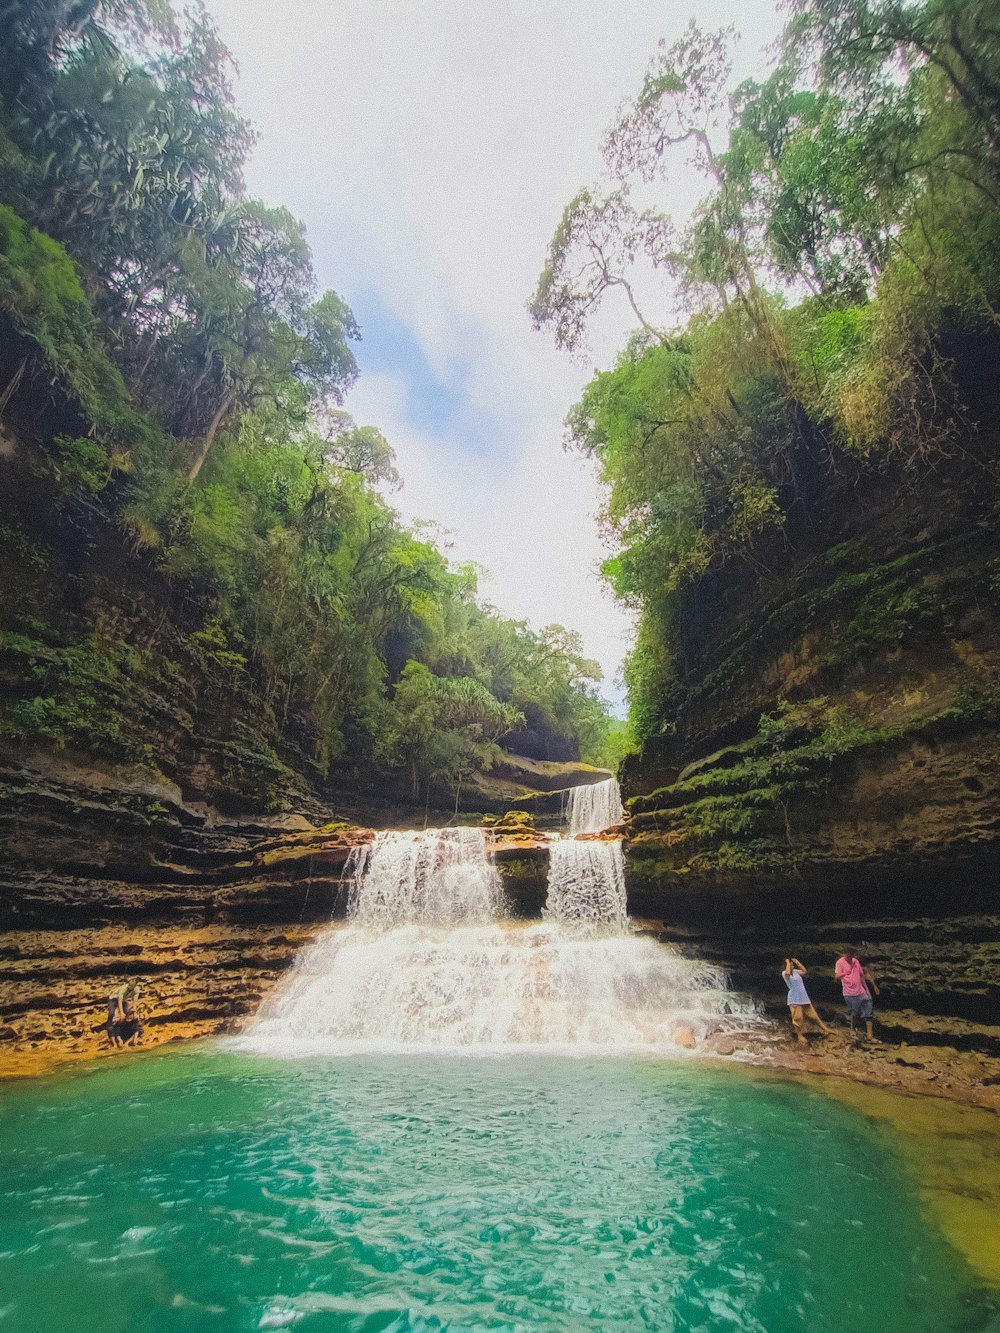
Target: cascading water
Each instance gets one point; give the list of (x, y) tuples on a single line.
[(426, 963), (587, 885), (592, 808), (443, 877)]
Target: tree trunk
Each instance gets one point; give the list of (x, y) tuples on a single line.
[(12, 384), (213, 426)]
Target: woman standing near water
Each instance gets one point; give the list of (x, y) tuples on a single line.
[(799, 1004)]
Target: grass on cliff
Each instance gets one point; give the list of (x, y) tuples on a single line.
[(794, 755)]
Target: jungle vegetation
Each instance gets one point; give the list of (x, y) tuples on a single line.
[(832, 288), (165, 345)]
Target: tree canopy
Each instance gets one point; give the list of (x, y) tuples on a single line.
[(845, 242), (185, 377)]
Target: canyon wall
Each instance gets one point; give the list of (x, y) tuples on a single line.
[(107, 875), (834, 718), (827, 772)]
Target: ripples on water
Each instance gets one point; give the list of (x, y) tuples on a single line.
[(199, 1191)]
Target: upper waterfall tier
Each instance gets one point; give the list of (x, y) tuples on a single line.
[(438, 877), (594, 807)]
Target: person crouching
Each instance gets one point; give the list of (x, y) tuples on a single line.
[(125, 1026)]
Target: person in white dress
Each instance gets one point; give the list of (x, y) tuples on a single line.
[(799, 1004)]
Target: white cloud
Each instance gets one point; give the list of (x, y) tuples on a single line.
[(532, 527), (430, 146)]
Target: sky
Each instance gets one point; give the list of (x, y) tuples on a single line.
[(430, 147)]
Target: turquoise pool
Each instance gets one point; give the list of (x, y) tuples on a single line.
[(210, 1189)]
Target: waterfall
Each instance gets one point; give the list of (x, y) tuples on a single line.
[(441, 877), (594, 807), (427, 963), (587, 885)]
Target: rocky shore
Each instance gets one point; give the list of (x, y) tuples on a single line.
[(105, 879), (204, 980)]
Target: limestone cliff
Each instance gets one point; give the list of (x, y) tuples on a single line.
[(828, 769), (834, 719), (108, 874)]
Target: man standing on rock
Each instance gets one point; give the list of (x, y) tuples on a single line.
[(855, 983)]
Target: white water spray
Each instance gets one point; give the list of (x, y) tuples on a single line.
[(592, 808), (587, 886), (426, 964), (441, 877)]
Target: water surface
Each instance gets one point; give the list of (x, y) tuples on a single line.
[(216, 1190)]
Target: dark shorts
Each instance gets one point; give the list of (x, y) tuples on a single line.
[(859, 1006), (130, 1027)]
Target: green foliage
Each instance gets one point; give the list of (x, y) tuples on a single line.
[(79, 693), (847, 235), (444, 728), (212, 646), (793, 749), (738, 809), (42, 301), (84, 465), (512, 821), (619, 741), (168, 335), (888, 607)]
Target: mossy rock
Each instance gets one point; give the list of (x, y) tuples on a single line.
[(514, 821)]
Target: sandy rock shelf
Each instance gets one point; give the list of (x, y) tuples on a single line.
[(197, 980)]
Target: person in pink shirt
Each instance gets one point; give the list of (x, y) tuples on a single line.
[(855, 983)]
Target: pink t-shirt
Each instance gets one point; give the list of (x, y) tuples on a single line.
[(852, 977)]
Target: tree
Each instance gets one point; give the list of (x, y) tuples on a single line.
[(363, 450), (861, 45), (263, 333), (844, 246), (162, 329), (593, 251), (445, 728)]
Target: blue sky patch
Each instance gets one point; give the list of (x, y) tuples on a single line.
[(433, 405)]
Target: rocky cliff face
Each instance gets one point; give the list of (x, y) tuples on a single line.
[(107, 876), (835, 717), (828, 772), (104, 877), (108, 652)]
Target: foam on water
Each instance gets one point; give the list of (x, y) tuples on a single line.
[(491, 989), (426, 963)]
